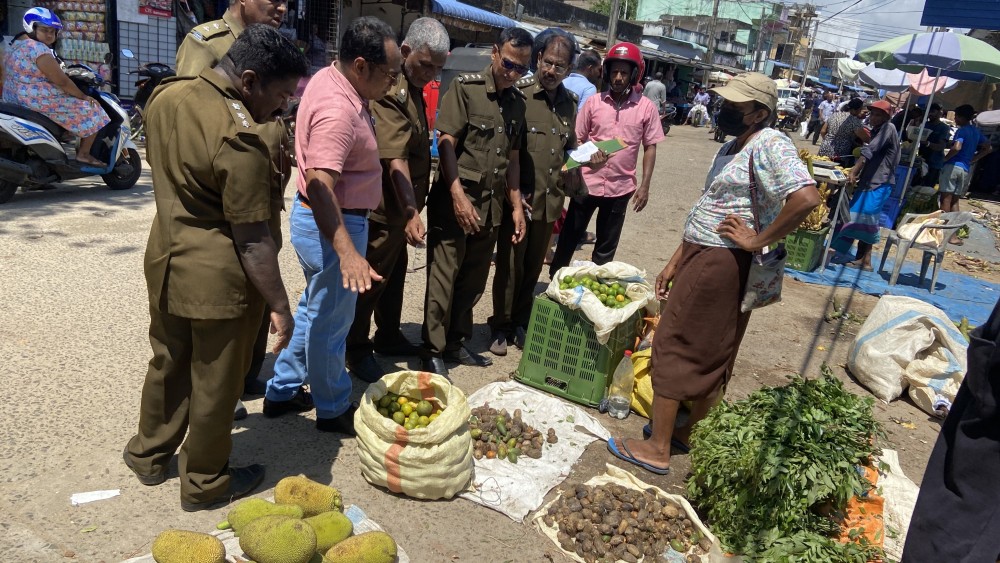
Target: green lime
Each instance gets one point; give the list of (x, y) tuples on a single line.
[(384, 412), (423, 421), (425, 408), (409, 425), (567, 279), (384, 401), (394, 407), (398, 417), (407, 409), (616, 285)]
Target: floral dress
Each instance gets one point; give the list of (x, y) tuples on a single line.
[(26, 85), (840, 135)]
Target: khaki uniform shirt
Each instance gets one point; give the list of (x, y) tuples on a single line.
[(203, 47), (487, 124), (211, 169), (401, 131), (549, 131), (206, 44)]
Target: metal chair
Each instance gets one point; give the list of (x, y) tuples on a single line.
[(952, 223)]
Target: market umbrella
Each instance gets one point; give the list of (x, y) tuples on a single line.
[(942, 53)]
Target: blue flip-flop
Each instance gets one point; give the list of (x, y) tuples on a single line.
[(647, 432), (627, 456)]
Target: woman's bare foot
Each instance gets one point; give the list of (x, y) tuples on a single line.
[(87, 159), (860, 264)]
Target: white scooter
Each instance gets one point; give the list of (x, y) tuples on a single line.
[(35, 152)]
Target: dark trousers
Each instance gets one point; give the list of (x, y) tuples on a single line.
[(387, 255), (815, 126), (610, 220), (518, 267), (458, 266), (259, 346), (192, 385)]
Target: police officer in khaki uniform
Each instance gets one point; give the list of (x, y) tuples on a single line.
[(404, 149), (211, 262), (481, 121), (203, 47), (550, 123)]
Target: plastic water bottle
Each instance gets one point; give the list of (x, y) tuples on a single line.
[(620, 393)]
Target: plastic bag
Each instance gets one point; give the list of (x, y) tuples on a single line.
[(931, 237), (908, 343), (605, 319), (427, 463)]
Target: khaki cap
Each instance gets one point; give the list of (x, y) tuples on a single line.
[(750, 87)]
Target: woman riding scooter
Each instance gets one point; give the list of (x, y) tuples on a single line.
[(34, 79)]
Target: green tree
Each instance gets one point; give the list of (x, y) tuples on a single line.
[(626, 9)]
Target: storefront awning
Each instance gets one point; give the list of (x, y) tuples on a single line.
[(674, 47), (780, 64), (460, 11)]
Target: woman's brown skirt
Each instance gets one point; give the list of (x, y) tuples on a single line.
[(701, 326)]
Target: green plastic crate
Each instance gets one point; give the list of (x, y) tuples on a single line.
[(805, 248), (562, 355)]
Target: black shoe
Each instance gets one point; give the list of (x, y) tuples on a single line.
[(241, 411), (520, 337), (399, 346), (301, 402), (498, 343), (366, 370), (344, 423), (434, 364), (242, 482), (467, 358), (148, 480), (254, 387)]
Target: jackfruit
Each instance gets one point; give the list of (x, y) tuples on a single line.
[(370, 547), (181, 546), (278, 539), (331, 528), (314, 498), (251, 509)]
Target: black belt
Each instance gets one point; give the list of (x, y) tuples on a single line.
[(359, 212)]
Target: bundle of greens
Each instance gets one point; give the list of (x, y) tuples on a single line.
[(771, 472)]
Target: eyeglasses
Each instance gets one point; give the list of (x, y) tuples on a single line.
[(558, 69), (392, 76), (512, 66)]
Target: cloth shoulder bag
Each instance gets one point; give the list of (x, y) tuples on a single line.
[(767, 268)]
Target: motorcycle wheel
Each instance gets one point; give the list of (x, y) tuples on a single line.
[(117, 180), (7, 191), (135, 125)]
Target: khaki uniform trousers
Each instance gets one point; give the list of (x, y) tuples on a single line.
[(192, 385), (458, 266), (387, 255), (518, 268)]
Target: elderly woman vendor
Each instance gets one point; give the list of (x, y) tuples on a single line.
[(701, 327), (33, 79)]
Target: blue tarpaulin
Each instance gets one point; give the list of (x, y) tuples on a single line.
[(958, 295), (461, 11)]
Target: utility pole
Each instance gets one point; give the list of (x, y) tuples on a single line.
[(759, 47), (711, 42), (812, 43), (613, 22)]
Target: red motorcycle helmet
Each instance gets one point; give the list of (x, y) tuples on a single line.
[(627, 52)]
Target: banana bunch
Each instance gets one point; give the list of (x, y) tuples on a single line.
[(807, 157), (817, 217)]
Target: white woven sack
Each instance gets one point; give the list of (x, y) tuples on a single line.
[(605, 319), (427, 463), (907, 342)]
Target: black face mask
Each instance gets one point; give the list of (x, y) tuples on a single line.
[(730, 120)]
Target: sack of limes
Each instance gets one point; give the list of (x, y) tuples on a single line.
[(608, 295), (425, 453)]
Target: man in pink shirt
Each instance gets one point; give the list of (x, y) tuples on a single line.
[(624, 113), (339, 183)]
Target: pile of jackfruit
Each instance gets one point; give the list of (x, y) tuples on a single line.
[(304, 524)]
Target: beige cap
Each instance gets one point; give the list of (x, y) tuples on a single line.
[(750, 87)]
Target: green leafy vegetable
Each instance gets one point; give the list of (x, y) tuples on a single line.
[(772, 473)]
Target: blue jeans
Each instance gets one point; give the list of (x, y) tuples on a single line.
[(322, 320)]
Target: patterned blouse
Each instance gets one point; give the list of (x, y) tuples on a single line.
[(840, 136), (779, 171)]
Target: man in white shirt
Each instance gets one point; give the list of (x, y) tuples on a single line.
[(826, 109)]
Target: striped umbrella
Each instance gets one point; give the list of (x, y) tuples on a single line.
[(941, 53)]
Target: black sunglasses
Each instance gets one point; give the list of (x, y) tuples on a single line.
[(511, 65)]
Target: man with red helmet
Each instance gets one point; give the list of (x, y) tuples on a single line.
[(618, 112)]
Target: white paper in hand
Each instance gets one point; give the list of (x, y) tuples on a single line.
[(583, 153)]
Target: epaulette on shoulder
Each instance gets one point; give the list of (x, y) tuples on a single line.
[(526, 81), (472, 78), (241, 116), (206, 31), (573, 95)]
